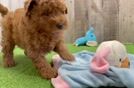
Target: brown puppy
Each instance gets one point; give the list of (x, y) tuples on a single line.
[(38, 29)]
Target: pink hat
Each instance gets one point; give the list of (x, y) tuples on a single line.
[(99, 63)]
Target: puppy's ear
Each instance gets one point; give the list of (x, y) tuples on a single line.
[(30, 5)]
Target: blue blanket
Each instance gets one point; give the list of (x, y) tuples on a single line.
[(78, 74)]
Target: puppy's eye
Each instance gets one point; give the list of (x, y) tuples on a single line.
[(45, 14), (120, 59)]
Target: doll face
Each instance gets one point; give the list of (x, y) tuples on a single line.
[(125, 63)]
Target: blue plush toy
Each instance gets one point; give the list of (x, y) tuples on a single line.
[(89, 39)]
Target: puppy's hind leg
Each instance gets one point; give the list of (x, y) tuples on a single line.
[(7, 48), (8, 56)]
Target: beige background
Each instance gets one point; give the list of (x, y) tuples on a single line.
[(112, 19)]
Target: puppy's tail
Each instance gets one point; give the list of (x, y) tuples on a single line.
[(3, 10)]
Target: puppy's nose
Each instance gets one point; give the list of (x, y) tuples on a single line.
[(59, 26)]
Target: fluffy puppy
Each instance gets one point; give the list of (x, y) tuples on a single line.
[(38, 29)]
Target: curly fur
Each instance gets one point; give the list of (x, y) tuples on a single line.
[(38, 29)]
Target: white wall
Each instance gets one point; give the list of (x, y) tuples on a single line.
[(12, 4)]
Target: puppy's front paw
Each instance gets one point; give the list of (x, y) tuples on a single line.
[(68, 57), (49, 73)]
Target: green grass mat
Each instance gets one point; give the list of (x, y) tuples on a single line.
[(24, 75)]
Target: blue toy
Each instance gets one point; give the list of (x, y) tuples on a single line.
[(89, 39)]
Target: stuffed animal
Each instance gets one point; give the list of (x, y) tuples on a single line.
[(89, 39), (110, 53)]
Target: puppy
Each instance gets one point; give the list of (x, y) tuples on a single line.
[(38, 29)]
